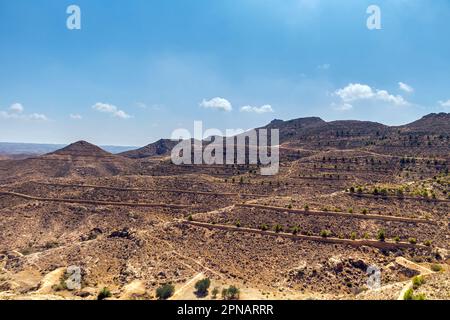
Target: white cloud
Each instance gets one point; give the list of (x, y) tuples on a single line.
[(217, 103), (111, 109), (75, 116), (445, 104), (37, 116), (16, 108), (342, 106), (355, 92), (16, 113), (263, 109), (407, 88), (324, 66)]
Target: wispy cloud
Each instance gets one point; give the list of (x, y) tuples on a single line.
[(342, 106), (405, 87), (16, 111), (324, 66), (357, 92), (445, 104), (111, 109), (263, 109), (217, 104), (75, 116)]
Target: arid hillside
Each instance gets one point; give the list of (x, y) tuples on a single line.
[(351, 197)]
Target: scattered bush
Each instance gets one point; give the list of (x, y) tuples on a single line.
[(232, 293), (427, 243), (214, 293), (103, 294), (417, 282), (381, 235), (397, 239), (264, 227), (165, 291), (238, 224), (190, 218), (409, 294), (364, 211), (436, 267), (353, 236), (202, 287), (278, 228), (412, 240), (325, 233), (306, 207), (295, 230)]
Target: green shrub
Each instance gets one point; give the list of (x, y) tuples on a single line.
[(190, 218), (232, 293), (306, 207), (278, 228), (420, 296), (165, 291), (417, 281), (381, 235), (436, 267), (412, 240), (409, 294), (427, 243), (264, 227), (202, 287), (353, 236), (295, 230), (238, 224), (397, 239), (103, 294), (325, 233), (215, 292), (364, 211)]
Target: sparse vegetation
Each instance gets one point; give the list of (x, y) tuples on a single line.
[(165, 291), (104, 294), (381, 235), (202, 287), (231, 293)]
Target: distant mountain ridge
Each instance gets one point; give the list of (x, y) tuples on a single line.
[(313, 128), (12, 148)]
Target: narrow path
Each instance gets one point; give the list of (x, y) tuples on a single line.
[(413, 266)]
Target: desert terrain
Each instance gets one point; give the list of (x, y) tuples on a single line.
[(351, 196)]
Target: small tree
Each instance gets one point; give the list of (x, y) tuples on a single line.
[(190, 218), (353, 236), (165, 291), (202, 287), (238, 223)]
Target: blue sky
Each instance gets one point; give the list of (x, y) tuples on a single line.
[(139, 69)]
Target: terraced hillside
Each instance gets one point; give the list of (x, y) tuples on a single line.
[(350, 197)]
